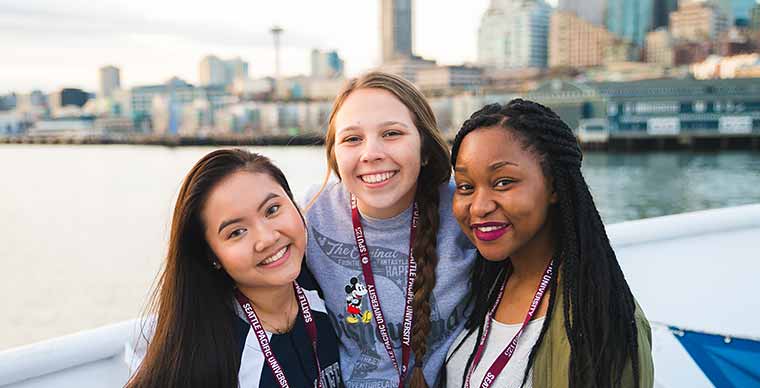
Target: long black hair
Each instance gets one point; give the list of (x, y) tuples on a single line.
[(598, 306), (194, 342)]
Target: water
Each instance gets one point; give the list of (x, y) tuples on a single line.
[(84, 228)]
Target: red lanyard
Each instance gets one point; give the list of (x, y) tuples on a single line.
[(369, 278), (506, 355), (261, 335)]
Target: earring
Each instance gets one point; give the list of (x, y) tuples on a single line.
[(216, 265)]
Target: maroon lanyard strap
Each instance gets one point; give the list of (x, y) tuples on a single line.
[(369, 278), (261, 334), (506, 355), (311, 327)]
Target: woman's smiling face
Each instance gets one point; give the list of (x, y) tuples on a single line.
[(255, 230), (503, 200), (377, 149)]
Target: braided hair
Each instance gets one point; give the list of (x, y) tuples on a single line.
[(434, 172), (598, 305)]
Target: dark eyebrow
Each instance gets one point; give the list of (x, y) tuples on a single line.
[(498, 165), (228, 223), (493, 166), (269, 196), (238, 219)]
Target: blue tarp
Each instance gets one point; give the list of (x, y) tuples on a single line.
[(726, 361)]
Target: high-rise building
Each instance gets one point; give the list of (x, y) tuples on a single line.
[(594, 11), (697, 21), (659, 47), (621, 51), (630, 19), (661, 12), (754, 18), (212, 71), (326, 64), (741, 10), (514, 34), (396, 29), (591, 11), (174, 95), (725, 6), (575, 42), (110, 80), (216, 71), (235, 68)]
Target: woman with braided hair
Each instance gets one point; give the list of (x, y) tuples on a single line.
[(551, 307), (390, 258)]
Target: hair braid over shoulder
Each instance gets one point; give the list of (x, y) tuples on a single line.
[(434, 173)]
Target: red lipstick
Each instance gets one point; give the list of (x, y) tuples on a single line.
[(495, 230)]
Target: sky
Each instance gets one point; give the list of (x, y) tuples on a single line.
[(50, 44)]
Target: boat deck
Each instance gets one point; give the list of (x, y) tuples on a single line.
[(693, 272)]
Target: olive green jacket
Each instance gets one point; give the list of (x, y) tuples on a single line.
[(550, 368)]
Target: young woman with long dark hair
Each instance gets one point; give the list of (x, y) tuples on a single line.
[(234, 306), (384, 247), (551, 307)]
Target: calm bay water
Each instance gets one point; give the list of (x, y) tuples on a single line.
[(84, 228)]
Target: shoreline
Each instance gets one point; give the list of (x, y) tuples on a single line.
[(170, 141), (614, 143)]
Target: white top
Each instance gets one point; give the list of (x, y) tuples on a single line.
[(501, 334)]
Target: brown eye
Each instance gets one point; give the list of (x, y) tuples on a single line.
[(272, 210), (237, 233), (464, 187)]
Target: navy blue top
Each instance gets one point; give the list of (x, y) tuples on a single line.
[(293, 349)]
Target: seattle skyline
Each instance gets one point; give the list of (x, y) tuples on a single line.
[(49, 46)]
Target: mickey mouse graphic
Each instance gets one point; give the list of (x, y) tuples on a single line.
[(355, 291)]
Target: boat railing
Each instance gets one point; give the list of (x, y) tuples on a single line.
[(681, 225), (57, 354)]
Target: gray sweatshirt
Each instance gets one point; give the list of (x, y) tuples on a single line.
[(333, 258)]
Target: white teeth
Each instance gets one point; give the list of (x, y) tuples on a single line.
[(377, 178), (275, 257), (490, 228)]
